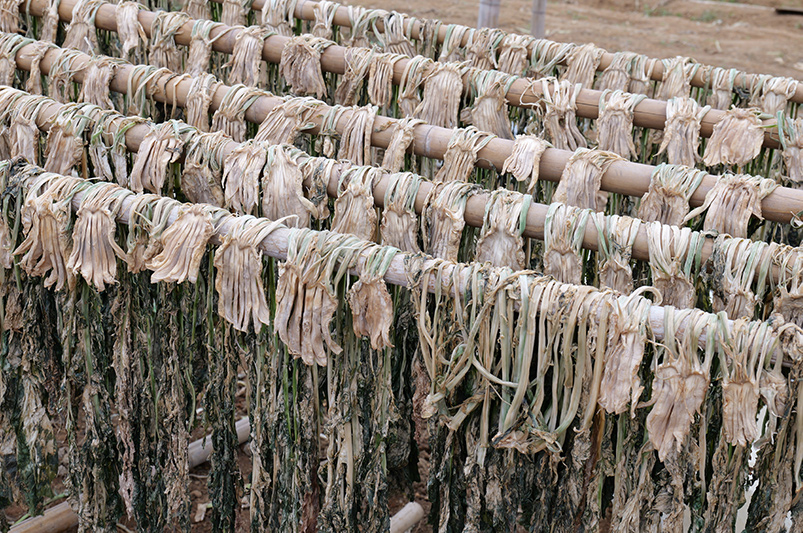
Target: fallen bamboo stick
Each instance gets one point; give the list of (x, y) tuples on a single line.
[(305, 10), (61, 517), (622, 177), (407, 517), (648, 113)]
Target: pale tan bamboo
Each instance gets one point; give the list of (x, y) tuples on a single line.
[(622, 177), (648, 113), (305, 10)]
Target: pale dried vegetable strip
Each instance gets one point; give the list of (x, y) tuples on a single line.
[(461, 154), (399, 226), (164, 52), (547, 55), (278, 16), (138, 89), (50, 21), (489, 111), (394, 39), (615, 123), (788, 301), (481, 48), (246, 59), (282, 190), (560, 119), (501, 242), (9, 16), (97, 77), (202, 174), (200, 49), (61, 74), (452, 48), (324, 12), (358, 61), (148, 218), (681, 137), (285, 121), (242, 171), (230, 116), (355, 213), (564, 228), (443, 87), (616, 237), (369, 299), (235, 12), (238, 261), (736, 264), (737, 138), (160, 147), (443, 221), (582, 177), (582, 65), (300, 65), (790, 133), (667, 199), (721, 81), (362, 20), (95, 252), (616, 76), (198, 9), (731, 202), (413, 76), (108, 142), (199, 99), (641, 74), (676, 78), (23, 134), (10, 44), (65, 144), (129, 29), (355, 142), (81, 34), (775, 93), (183, 245), (401, 139), (674, 254), (524, 160), (34, 83), (380, 78), (514, 54)]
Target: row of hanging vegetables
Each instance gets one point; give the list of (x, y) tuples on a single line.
[(546, 403)]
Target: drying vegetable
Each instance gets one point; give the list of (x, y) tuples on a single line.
[(394, 39), (791, 137), (564, 229), (580, 181), (34, 83), (560, 120), (413, 76), (481, 48), (61, 73), (128, 27), (161, 147), (285, 121), (9, 17), (198, 9), (641, 75), (371, 305), (282, 191), (676, 78), (230, 116), (50, 21), (461, 154), (399, 226), (95, 89), (247, 55), (235, 12), (674, 253), (667, 199), (355, 143), (489, 112), (500, 241), (721, 80), (775, 93), (736, 140), (731, 202), (440, 104), (615, 123), (81, 34), (182, 245), (452, 50), (681, 136), (358, 61), (736, 264), (65, 144), (199, 98), (442, 219), (524, 160), (201, 179), (324, 12), (380, 78), (514, 54), (242, 171), (279, 16), (163, 50), (300, 64), (354, 208), (400, 141), (200, 50), (582, 64), (616, 76), (616, 237), (23, 135)]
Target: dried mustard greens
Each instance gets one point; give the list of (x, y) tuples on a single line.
[(164, 53), (355, 142), (736, 264), (721, 81), (442, 220), (674, 255), (582, 65), (736, 140), (81, 34), (201, 179), (514, 54), (681, 136), (560, 120), (500, 241), (230, 116), (400, 141), (524, 160), (358, 62), (199, 99), (440, 102), (246, 58), (282, 190), (200, 49), (461, 154), (616, 76), (300, 65), (676, 78), (354, 208), (667, 199), (564, 229), (242, 171), (581, 179), (371, 305), (489, 111), (615, 123), (616, 237), (399, 227), (161, 147), (285, 121), (182, 245)]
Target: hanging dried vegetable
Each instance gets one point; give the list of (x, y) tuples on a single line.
[(489, 112), (361, 21), (524, 160), (230, 116), (65, 143), (400, 141), (641, 74), (201, 178), (676, 78), (452, 50), (736, 140), (97, 77), (129, 29), (242, 171), (399, 226), (681, 137), (238, 261), (581, 179), (358, 61), (34, 83), (731, 202), (235, 12), (788, 300), (370, 302), (138, 89), (9, 17), (736, 264), (674, 255), (300, 65), (443, 87), (615, 123), (182, 246), (514, 51), (285, 121), (160, 147), (247, 56), (81, 34), (355, 213), (282, 190), (200, 49), (790, 133), (616, 237), (279, 16), (324, 12), (461, 154), (582, 64), (355, 142), (616, 76), (10, 44), (442, 220), (501, 242), (380, 78), (23, 135), (564, 229), (481, 48), (667, 199), (394, 39), (61, 74), (199, 99), (413, 76), (775, 93), (721, 80), (560, 121), (107, 146), (198, 9), (164, 52), (547, 55)]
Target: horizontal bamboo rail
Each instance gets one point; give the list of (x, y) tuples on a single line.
[(649, 113), (305, 10), (61, 517), (622, 177)]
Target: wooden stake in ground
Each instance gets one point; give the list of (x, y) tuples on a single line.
[(489, 13), (538, 21)]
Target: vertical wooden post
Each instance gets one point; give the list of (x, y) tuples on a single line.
[(489, 14), (538, 22)]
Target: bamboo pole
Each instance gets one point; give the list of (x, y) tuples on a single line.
[(61, 517), (488, 16), (524, 92), (622, 177), (305, 10), (538, 21)]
